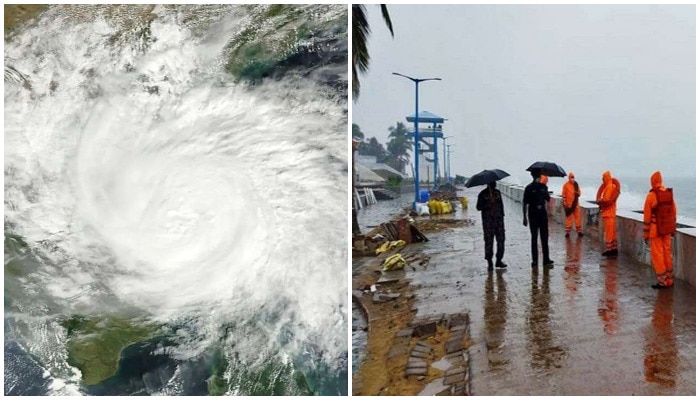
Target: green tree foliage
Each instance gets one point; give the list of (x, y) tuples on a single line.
[(372, 147), (357, 132), (399, 146), (360, 34)]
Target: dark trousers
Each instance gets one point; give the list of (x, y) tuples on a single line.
[(500, 236), (538, 223)]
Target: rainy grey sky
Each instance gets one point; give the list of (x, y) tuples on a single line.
[(590, 87)]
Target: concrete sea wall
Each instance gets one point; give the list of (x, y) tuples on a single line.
[(630, 226)]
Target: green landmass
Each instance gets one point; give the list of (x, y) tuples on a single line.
[(95, 343), (17, 14), (274, 379), (275, 33)]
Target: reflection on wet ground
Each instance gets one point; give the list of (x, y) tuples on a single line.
[(588, 326)]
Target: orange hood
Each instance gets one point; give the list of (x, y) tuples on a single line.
[(571, 176), (657, 181), (607, 177)]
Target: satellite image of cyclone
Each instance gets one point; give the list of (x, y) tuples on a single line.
[(176, 200)]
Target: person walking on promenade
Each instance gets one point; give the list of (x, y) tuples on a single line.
[(606, 199), (535, 199), (490, 204), (659, 226), (570, 193)]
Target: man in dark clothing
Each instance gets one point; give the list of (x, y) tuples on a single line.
[(490, 204), (535, 201)]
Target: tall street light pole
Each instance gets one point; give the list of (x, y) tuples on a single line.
[(449, 166), (444, 155), (415, 135)]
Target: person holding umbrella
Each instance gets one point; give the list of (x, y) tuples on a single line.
[(535, 199), (490, 203)]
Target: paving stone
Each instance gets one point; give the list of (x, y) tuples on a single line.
[(452, 379), (425, 329), (419, 321), (453, 345), (455, 354), (437, 318), (419, 354), (458, 328), (357, 293), (417, 364), (422, 354), (424, 344), (455, 370), (458, 320), (446, 392), (404, 332), (416, 371), (458, 390), (411, 359), (425, 349)]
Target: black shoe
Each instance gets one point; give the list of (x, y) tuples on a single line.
[(567, 235), (605, 253), (490, 264), (657, 286), (548, 263), (580, 234), (501, 264), (613, 252)]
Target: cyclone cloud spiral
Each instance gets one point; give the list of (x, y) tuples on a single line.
[(146, 181)]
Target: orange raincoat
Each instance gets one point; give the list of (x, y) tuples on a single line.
[(570, 194), (659, 199), (607, 200)]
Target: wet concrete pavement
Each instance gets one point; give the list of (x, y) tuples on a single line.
[(588, 326)]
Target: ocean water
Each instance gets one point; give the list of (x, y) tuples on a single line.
[(634, 191)]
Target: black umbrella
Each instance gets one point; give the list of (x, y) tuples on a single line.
[(486, 176), (547, 168)]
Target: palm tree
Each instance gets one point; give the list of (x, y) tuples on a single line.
[(357, 132), (399, 145), (360, 33)]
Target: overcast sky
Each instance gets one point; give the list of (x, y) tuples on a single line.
[(591, 87)]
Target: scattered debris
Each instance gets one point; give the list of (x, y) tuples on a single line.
[(393, 263)]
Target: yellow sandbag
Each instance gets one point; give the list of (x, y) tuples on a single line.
[(393, 263), (463, 200), (381, 249), (396, 244), (431, 206)]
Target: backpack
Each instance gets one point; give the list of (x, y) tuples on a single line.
[(664, 213)]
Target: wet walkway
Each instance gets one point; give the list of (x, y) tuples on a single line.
[(589, 326)]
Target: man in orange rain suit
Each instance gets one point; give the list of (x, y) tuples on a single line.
[(607, 201), (570, 193), (659, 226)]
